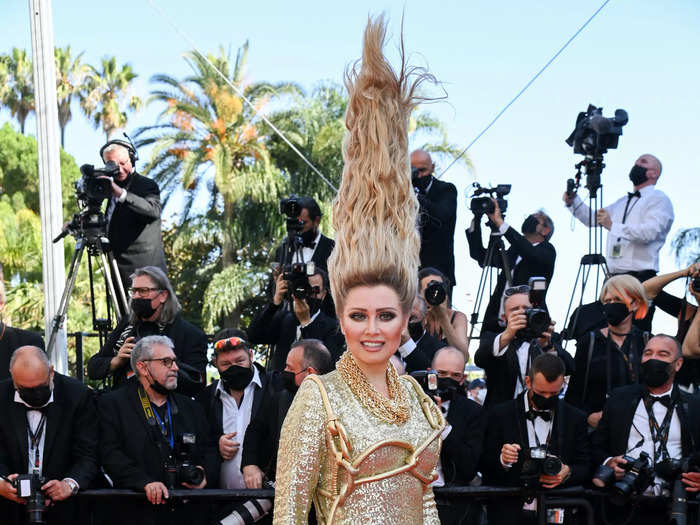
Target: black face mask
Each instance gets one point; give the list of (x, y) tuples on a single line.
[(655, 372), (421, 183), (638, 175), (529, 225), (415, 330), (314, 305), (36, 396), (308, 237), (236, 377), (544, 403), (288, 381), (142, 307), (447, 388), (615, 313)]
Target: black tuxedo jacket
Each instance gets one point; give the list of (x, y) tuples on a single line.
[(210, 401), (70, 444), (190, 348), (321, 253), (537, 261), (507, 424), (134, 227), (613, 431), (461, 449), (502, 373), (11, 339), (275, 326), (422, 356), (263, 433), (438, 214)]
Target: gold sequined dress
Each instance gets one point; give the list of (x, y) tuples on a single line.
[(357, 468)]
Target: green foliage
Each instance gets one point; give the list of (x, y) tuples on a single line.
[(17, 91), (70, 74)]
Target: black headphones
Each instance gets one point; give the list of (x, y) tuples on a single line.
[(133, 154)]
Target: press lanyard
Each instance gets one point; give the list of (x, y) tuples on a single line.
[(152, 416), (35, 438), (629, 199), (659, 434)]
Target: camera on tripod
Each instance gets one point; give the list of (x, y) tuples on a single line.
[(291, 207), (538, 463), (538, 319), (179, 467), (28, 487), (430, 382), (91, 189), (639, 475), (595, 134), (481, 205)]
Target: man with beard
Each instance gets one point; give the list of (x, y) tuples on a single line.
[(280, 327), (654, 417), (147, 430), (154, 310), (133, 213)]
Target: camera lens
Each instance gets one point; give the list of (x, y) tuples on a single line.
[(435, 293), (551, 466)]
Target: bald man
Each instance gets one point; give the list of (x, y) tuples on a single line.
[(49, 426), (637, 224), (438, 213)]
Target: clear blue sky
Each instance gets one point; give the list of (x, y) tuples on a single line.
[(640, 55)]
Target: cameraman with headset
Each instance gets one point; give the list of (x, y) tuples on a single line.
[(529, 255), (133, 213)]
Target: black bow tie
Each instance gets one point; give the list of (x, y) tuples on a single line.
[(532, 414), (634, 194), (664, 400), (309, 244)]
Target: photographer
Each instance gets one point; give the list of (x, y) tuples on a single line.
[(154, 310), (49, 426), (154, 439), (637, 224), (441, 320), (529, 255), (534, 441), (133, 213), (280, 327), (12, 338), (507, 356), (438, 214), (609, 357), (418, 347), (654, 417)]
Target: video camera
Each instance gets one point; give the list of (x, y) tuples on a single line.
[(28, 487), (481, 205), (92, 190), (430, 382), (537, 463), (538, 319), (179, 467), (639, 474), (594, 134), (435, 293)]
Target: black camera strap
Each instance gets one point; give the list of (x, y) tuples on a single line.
[(35, 439), (155, 420), (610, 347), (659, 433)]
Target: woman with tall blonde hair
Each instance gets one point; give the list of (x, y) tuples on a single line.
[(362, 443), (609, 357)]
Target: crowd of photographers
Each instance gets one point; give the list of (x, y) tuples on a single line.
[(622, 414)]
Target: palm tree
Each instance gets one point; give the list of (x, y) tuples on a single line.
[(104, 97), (69, 81), (208, 140), (685, 246), (19, 96)]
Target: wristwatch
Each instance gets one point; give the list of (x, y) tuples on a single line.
[(72, 484)]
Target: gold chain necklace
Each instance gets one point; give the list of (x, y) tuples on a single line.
[(394, 410)]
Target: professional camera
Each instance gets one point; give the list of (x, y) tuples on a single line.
[(297, 275), (538, 319), (431, 384), (481, 205), (696, 284), (291, 206), (250, 511), (537, 463), (179, 467), (92, 190), (639, 474), (594, 134), (435, 293), (28, 487), (671, 470)]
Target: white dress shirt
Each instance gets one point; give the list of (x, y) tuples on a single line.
[(634, 245), (522, 353), (236, 419), (308, 252)]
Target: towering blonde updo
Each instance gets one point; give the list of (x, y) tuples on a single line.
[(375, 211)]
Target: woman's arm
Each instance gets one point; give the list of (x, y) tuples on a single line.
[(691, 342), (653, 286)]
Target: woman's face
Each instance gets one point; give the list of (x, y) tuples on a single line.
[(372, 321), (614, 296)]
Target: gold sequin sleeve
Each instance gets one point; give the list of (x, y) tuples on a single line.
[(301, 452), (430, 513)]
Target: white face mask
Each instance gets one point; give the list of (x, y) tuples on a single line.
[(481, 395)]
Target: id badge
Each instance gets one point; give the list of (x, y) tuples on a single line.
[(555, 515), (616, 250)]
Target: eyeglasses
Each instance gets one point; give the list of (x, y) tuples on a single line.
[(143, 291), (168, 362), (513, 290), (229, 344)]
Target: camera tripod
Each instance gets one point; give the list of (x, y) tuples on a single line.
[(593, 259), (89, 228), (495, 259)]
